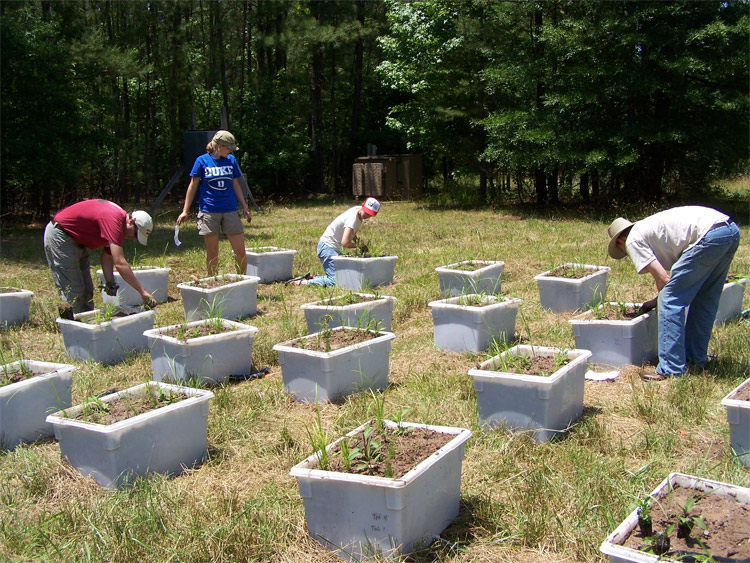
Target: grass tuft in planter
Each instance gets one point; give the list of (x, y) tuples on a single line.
[(512, 392), (14, 306), (333, 363), (355, 509), (106, 335), (150, 428), (208, 350), (29, 391)]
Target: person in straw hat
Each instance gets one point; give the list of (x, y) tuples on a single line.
[(340, 233), (215, 179), (89, 225), (688, 251)]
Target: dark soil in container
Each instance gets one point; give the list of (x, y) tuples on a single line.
[(127, 406), (572, 272), (727, 534), (742, 394), (327, 341), (399, 451)]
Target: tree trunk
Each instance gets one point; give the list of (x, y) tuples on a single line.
[(584, 186)]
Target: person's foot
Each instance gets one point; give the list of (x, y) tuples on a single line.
[(299, 280), (649, 373), (66, 312)]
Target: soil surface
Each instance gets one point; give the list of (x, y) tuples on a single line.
[(529, 365), (401, 451), (571, 272), (99, 319), (333, 340), (10, 377), (9, 290), (610, 312), (727, 533), (348, 299), (470, 266), (127, 407), (210, 284), (742, 394), (186, 333)]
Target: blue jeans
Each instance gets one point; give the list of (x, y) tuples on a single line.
[(696, 281), (326, 254)]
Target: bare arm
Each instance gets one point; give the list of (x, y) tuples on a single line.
[(661, 277), (117, 259), (241, 199), (349, 239), (189, 197)]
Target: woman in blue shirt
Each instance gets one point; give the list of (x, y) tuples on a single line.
[(215, 178)]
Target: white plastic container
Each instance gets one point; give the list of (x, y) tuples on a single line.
[(211, 358), (738, 417), (360, 273), (14, 306), (309, 375), (378, 309), (730, 303), (235, 300), (470, 328), (154, 280), (165, 440), (620, 554), (270, 264), (544, 405), (618, 342), (107, 342), (24, 405), (486, 279), (571, 294), (359, 515)]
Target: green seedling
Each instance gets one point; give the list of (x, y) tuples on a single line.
[(686, 521), (658, 543)]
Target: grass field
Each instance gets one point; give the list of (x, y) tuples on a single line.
[(520, 501)]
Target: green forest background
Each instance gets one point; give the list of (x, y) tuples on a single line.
[(536, 101)]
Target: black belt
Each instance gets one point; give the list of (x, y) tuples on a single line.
[(727, 222)]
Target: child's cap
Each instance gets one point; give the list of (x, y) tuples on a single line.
[(371, 206)]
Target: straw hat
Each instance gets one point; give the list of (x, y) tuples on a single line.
[(615, 230)]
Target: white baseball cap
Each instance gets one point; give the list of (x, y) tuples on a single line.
[(371, 206), (144, 225)]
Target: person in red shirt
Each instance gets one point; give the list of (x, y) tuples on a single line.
[(89, 225)]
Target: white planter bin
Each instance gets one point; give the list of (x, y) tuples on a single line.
[(469, 328), (108, 342), (618, 343), (378, 309), (210, 358), (270, 264), (14, 306), (544, 405), (360, 515), (309, 375), (165, 440), (730, 303), (455, 281), (236, 300), (568, 294), (154, 280), (360, 273), (24, 405), (738, 417), (618, 553)]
